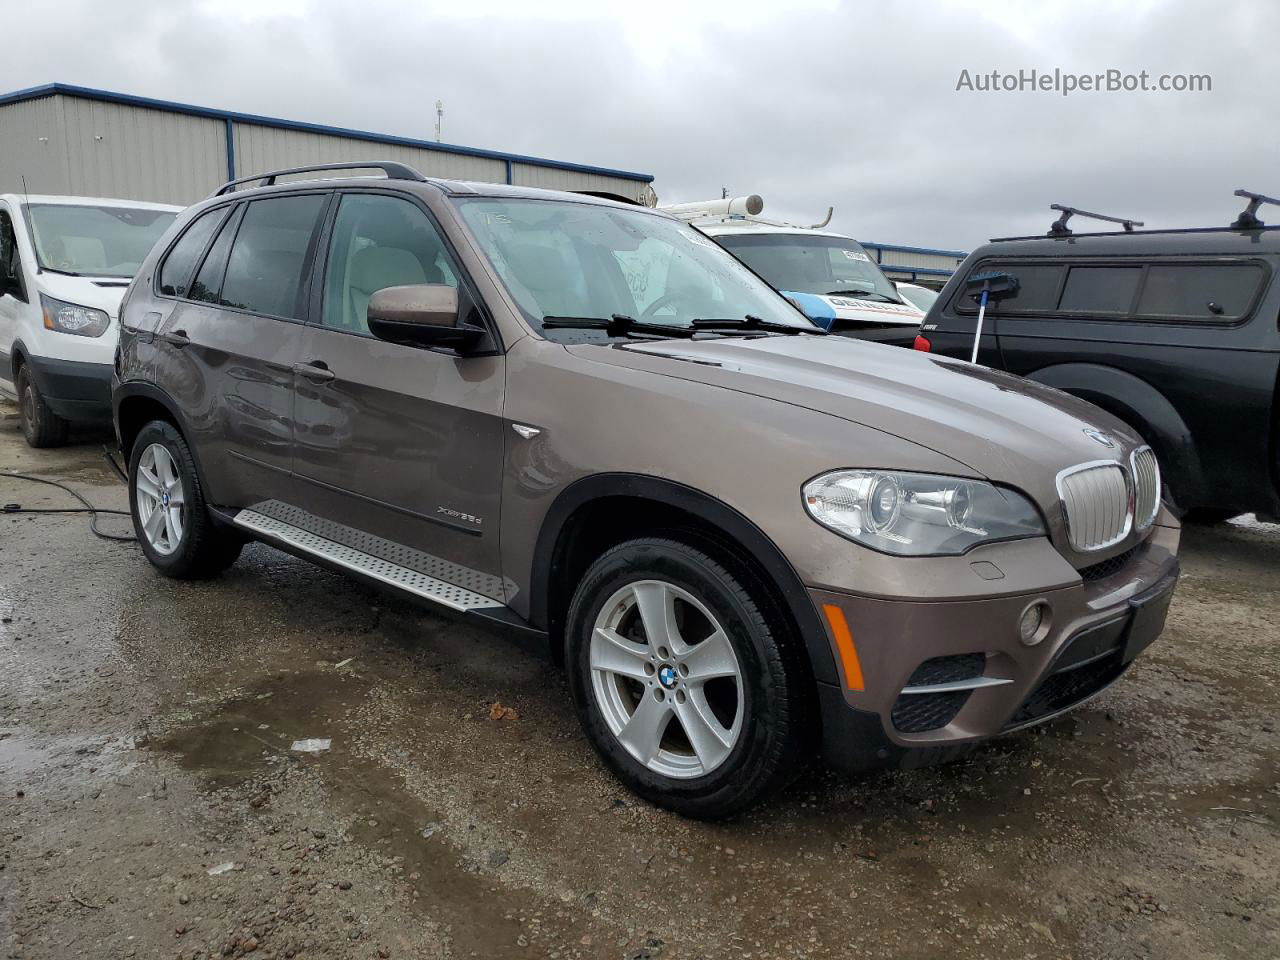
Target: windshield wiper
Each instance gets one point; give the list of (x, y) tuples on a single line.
[(616, 325), (751, 322), (863, 295), (65, 273)]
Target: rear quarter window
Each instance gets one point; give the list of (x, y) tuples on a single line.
[(1214, 292)]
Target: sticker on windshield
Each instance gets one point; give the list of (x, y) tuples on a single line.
[(856, 255)]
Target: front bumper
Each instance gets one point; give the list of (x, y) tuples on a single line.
[(74, 389), (970, 676)]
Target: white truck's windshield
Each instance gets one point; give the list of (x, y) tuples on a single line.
[(812, 263), (94, 241), (561, 259)]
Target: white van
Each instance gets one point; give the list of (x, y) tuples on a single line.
[(827, 275), (65, 263)]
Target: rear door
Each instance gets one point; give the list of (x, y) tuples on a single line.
[(227, 346), (399, 449)]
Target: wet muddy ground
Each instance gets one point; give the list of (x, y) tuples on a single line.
[(150, 805)]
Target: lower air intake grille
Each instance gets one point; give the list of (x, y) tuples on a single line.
[(918, 712), (1061, 690)]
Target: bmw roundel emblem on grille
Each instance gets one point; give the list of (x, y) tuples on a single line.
[(1100, 437)]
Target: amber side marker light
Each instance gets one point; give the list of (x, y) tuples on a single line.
[(844, 644)]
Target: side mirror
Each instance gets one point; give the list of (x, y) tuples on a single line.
[(424, 314)]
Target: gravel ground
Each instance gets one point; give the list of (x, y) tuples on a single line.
[(151, 806)]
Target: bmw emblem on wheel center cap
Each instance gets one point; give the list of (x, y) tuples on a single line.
[(667, 675), (164, 499)]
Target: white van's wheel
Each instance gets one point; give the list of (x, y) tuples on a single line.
[(40, 425)]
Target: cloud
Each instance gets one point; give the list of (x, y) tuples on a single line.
[(821, 104)]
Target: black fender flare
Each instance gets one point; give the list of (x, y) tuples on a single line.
[(733, 523), (142, 388), (1143, 407)]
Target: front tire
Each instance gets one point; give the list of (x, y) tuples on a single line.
[(682, 681), (170, 515), (40, 426)]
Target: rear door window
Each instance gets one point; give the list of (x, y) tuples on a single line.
[(270, 256), (1189, 291), (1100, 289), (178, 266)]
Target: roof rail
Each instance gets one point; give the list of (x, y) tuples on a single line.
[(1059, 227), (1248, 219), (393, 171)]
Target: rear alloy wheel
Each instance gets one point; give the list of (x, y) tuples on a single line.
[(161, 504), (40, 426), (684, 678), (170, 516)]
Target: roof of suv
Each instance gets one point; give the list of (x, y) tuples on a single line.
[(457, 188), (1186, 242)]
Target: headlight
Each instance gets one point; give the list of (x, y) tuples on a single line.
[(918, 514), (73, 318)]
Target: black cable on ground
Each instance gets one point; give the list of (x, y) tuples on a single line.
[(88, 508)]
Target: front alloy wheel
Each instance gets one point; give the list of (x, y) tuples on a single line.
[(687, 677), (161, 504), (666, 679)]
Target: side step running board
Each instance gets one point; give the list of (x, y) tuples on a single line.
[(348, 558)]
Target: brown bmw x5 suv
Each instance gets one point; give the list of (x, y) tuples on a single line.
[(747, 541)]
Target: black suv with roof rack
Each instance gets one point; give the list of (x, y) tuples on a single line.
[(1173, 331)]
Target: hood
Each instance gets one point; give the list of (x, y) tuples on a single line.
[(826, 310), (1002, 427), (102, 293)]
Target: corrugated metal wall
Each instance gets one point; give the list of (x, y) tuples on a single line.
[(65, 144), (119, 151), (33, 147), (270, 148)]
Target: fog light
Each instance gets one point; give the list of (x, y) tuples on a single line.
[(1034, 623)]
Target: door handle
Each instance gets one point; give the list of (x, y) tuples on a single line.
[(177, 338), (316, 370)]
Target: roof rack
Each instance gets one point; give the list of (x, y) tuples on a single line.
[(1059, 227), (1248, 219), (393, 171)]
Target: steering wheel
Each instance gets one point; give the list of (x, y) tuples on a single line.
[(665, 300)]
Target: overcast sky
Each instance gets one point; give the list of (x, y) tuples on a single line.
[(851, 105)]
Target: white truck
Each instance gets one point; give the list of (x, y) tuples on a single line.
[(826, 274), (65, 263)]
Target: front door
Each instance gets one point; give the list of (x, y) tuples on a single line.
[(227, 347), (398, 448)]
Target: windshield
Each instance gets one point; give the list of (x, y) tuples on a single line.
[(921, 297), (578, 260), (92, 241), (811, 263)]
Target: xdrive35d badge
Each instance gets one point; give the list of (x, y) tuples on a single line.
[(748, 543)]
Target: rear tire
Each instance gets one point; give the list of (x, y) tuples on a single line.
[(40, 426), (170, 515), (681, 682)]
